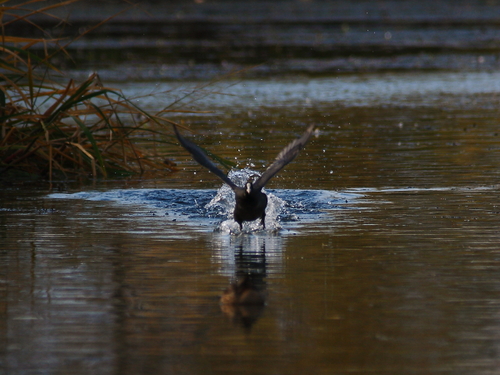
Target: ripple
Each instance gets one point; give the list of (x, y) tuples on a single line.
[(213, 209)]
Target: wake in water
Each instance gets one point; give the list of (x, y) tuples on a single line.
[(208, 210)]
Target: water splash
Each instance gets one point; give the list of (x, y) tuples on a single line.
[(224, 201), (210, 210)]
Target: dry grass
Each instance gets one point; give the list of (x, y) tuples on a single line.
[(59, 130)]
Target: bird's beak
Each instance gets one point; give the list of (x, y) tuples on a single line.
[(253, 178)]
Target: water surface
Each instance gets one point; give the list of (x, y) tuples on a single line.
[(385, 260)]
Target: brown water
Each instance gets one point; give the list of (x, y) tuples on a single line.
[(387, 260)]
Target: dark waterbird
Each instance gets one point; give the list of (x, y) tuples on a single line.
[(251, 202)]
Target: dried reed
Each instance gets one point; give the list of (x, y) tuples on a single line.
[(57, 130)]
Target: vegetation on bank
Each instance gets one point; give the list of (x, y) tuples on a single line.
[(58, 130)]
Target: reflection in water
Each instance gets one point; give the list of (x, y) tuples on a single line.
[(385, 279), (429, 90), (392, 285), (247, 254), (245, 259), (251, 268), (243, 302)]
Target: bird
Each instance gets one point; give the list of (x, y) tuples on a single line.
[(251, 201)]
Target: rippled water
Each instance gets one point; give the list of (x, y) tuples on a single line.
[(384, 258), (453, 90), (207, 210)]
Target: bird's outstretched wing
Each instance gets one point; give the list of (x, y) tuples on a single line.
[(284, 157), (202, 158)]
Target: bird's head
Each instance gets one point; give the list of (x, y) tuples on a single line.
[(248, 187)]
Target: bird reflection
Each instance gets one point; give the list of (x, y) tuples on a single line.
[(244, 300)]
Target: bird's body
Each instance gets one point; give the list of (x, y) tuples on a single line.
[(251, 202), (250, 205)]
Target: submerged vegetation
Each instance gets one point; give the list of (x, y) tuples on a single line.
[(55, 129)]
